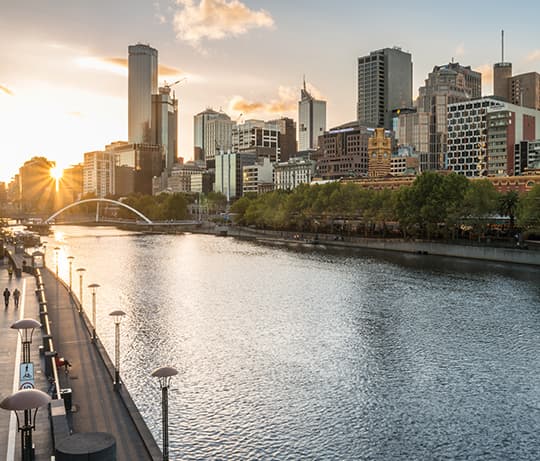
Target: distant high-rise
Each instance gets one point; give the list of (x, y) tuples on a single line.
[(384, 84), (311, 120), (200, 136), (445, 85), (142, 84), (502, 71), (165, 125)]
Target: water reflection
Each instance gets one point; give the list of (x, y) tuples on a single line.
[(295, 354)]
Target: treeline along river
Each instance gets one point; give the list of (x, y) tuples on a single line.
[(293, 354)]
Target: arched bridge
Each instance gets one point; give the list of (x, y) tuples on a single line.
[(90, 200)]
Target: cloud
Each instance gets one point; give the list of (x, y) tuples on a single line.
[(533, 56), (487, 77), (216, 19), (120, 66), (286, 102), (75, 114), (6, 90)]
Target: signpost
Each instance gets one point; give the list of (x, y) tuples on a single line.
[(26, 376)]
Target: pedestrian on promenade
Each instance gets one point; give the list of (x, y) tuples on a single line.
[(7, 294), (10, 271), (16, 296)]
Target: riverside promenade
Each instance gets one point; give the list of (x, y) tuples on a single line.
[(97, 407)]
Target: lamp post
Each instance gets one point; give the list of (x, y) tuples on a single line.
[(26, 328), (70, 259), (81, 271), (164, 374), (56, 250), (117, 315), (26, 401), (93, 287)]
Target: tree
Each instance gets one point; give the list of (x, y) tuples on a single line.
[(175, 207), (508, 204), (528, 210)]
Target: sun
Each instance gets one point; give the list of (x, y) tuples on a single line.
[(56, 173)]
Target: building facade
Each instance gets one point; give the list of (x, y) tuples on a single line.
[(287, 137), (229, 172), (526, 156), (165, 126), (384, 84), (257, 136), (142, 84), (379, 154), (99, 173), (311, 120), (37, 188), (217, 136), (289, 175), (257, 177), (343, 152), (446, 85)]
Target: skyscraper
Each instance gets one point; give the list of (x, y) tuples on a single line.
[(384, 84), (200, 128), (142, 84), (445, 85), (165, 125), (311, 120)]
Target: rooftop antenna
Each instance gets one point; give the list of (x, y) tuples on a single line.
[(502, 45), (304, 82)]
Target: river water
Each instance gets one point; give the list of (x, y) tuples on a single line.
[(294, 354)]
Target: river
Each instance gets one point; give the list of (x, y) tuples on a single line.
[(297, 354)]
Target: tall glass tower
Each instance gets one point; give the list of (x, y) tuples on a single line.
[(142, 84), (311, 120)]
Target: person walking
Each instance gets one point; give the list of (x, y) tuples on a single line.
[(10, 271), (7, 294), (16, 296)]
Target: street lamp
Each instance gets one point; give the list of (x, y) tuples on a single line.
[(164, 374), (81, 271), (93, 287), (26, 401), (26, 329), (117, 315), (56, 250), (70, 259)]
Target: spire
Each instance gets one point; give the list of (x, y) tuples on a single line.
[(502, 45), (304, 82)]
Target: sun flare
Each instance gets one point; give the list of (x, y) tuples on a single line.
[(56, 173)]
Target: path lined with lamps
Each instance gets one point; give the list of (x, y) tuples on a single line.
[(10, 356), (97, 406)]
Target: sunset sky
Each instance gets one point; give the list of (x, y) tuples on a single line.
[(63, 75)]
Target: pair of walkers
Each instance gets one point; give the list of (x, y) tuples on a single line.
[(16, 297)]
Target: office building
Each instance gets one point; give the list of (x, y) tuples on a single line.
[(142, 84), (136, 166), (384, 84), (37, 188), (165, 125), (343, 152), (379, 154), (289, 175), (482, 134), (311, 120), (259, 137), (229, 172), (99, 173), (259, 177), (217, 136), (287, 137), (446, 85), (526, 156), (199, 133)]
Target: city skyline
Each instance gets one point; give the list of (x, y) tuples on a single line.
[(63, 81)]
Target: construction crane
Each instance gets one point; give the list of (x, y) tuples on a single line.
[(170, 85)]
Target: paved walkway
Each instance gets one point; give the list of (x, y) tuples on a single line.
[(10, 355), (97, 407)]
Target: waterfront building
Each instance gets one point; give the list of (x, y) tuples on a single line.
[(180, 179), (447, 84), (99, 173), (202, 182), (142, 84), (258, 176), (343, 152), (229, 172), (379, 153), (311, 120), (384, 84), (136, 166), (289, 175), (165, 125), (257, 136), (412, 134)]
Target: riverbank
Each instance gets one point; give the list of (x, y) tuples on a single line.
[(529, 256)]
